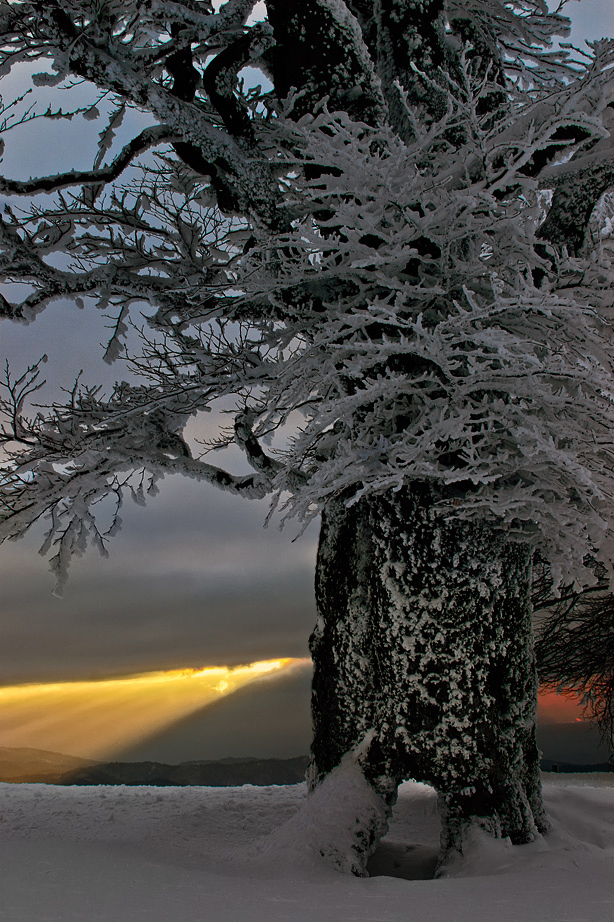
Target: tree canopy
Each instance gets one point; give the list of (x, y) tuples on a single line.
[(390, 260)]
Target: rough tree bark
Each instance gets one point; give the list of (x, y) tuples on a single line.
[(424, 640)]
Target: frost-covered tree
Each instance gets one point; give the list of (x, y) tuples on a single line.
[(391, 267)]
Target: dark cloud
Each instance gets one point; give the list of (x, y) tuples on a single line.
[(193, 579)]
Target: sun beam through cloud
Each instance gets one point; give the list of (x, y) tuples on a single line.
[(96, 719)]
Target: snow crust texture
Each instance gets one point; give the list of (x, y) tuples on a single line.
[(117, 854)]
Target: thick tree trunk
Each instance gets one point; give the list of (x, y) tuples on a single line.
[(424, 646)]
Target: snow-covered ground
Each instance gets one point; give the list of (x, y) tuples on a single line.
[(119, 854)]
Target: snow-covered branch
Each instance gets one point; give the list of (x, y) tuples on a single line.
[(64, 466), (455, 354), (389, 303)]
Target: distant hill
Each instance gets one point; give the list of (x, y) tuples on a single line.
[(576, 743), (550, 765), (38, 765), (221, 773)]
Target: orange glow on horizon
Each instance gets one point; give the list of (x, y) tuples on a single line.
[(554, 708), (95, 719)]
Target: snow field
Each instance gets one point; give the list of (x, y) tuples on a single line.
[(195, 854)]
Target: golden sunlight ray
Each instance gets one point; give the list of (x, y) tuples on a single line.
[(94, 719)]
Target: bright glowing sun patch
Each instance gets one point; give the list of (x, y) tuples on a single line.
[(96, 719)]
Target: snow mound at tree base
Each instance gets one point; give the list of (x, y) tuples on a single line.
[(327, 826)]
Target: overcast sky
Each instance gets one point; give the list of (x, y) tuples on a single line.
[(194, 579)]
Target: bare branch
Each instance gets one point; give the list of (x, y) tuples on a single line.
[(575, 654), (18, 391), (148, 138), (220, 78), (245, 437), (576, 194), (580, 182)]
